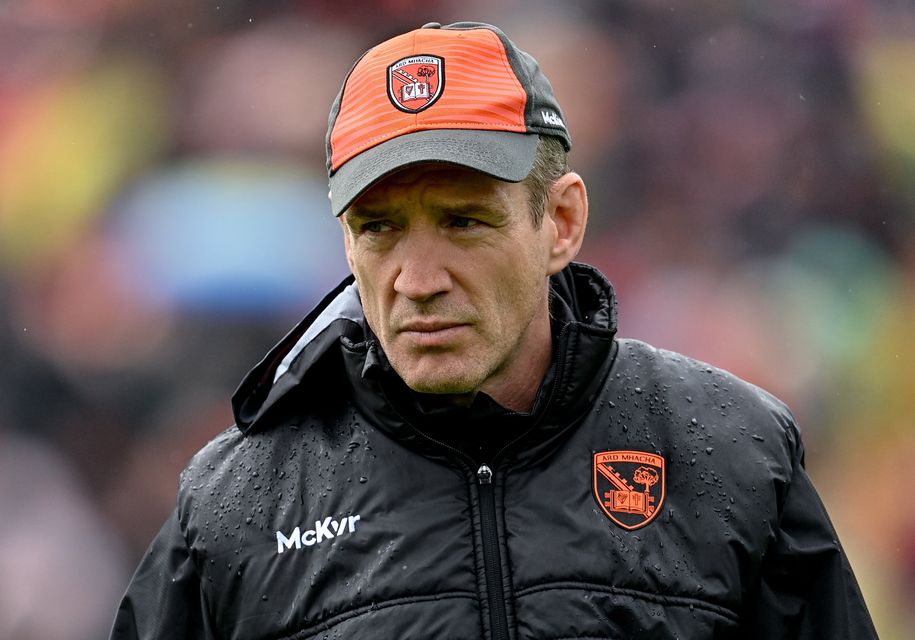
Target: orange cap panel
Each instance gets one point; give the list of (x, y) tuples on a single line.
[(480, 91)]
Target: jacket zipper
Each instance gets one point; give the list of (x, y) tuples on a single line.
[(492, 562)]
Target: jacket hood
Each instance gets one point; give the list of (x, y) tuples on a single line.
[(582, 302)]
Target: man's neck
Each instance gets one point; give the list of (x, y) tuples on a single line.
[(516, 388)]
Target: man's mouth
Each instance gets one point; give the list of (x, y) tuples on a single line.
[(432, 333)]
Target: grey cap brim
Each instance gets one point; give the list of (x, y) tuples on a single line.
[(504, 155)]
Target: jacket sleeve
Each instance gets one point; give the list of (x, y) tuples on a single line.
[(807, 588), (164, 598)]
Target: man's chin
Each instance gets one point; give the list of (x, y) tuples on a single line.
[(441, 387), (432, 380)]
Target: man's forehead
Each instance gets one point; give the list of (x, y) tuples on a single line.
[(433, 172), (450, 185)]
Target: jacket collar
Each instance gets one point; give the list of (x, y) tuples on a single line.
[(334, 334)]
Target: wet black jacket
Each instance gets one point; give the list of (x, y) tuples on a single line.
[(646, 496)]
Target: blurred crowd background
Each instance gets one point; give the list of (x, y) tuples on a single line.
[(164, 220)]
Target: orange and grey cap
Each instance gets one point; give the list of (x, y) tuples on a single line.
[(461, 94)]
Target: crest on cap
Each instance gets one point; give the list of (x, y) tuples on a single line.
[(416, 82), (629, 486)]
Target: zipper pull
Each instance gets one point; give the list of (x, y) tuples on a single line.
[(484, 474)]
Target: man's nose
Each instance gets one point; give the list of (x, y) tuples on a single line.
[(423, 272)]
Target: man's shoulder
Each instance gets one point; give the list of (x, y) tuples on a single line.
[(689, 386), (234, 463), (212, 457), (239, 451), (708, 422), (665, 364)]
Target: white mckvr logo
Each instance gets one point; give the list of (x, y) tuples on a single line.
[(552, 118), (325, 529)]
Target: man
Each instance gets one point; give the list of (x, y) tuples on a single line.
[(454, 444)]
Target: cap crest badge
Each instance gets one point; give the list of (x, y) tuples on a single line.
[(416, 82), (629, 486)]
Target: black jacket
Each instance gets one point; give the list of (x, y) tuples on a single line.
[(646, 496)]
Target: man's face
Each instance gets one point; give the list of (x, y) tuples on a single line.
[(452, 276)]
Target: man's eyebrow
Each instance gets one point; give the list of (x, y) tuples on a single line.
[(471, 209), (365, 213), (467, 209), (448, 209)]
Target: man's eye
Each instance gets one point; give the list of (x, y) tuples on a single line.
[(376, 226), (461, 222)]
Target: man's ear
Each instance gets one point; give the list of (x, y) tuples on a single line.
[(567, 209)]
